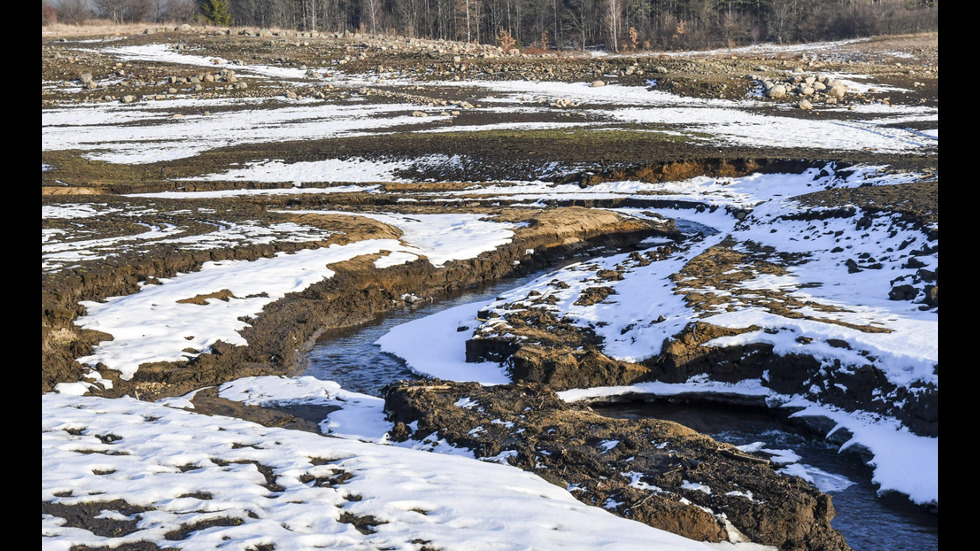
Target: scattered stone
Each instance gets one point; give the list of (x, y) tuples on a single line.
[(597, 83)]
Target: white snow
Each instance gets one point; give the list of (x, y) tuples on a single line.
[(152, 325), (57, 254), (439, 237), (355, 170), (214, 194), (432, 346), (360, 416), (185, 468), (824, 481), (104, 131)]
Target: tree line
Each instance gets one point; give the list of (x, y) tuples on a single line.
[(619, 25)]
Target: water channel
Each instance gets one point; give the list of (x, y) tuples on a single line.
[(870, 523)]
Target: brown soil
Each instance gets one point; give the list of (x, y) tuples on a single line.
[(277, 339), (593, 455)]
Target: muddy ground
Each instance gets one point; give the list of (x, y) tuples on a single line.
[(280, 337)]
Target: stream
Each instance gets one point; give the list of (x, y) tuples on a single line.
[(868, 522)]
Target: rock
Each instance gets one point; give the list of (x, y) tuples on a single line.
[(778, 91), (836, 91), (902, 292), (804, 104), (85, 78), (597, 83), (127, 99)]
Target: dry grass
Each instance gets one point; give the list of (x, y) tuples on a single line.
[(63, 335), (101, 27)]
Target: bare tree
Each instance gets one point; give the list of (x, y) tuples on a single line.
[(614, 12), (73, 11), (49, 13), (309, 14), (181, 10), (372, 13), (781, 14), (580, 17), (112, 9), (138, 10)]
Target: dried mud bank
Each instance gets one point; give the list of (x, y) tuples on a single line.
[(541, 337), (278, 339), (656, 472)]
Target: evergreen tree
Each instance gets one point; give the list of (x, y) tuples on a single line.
[(217, 12)]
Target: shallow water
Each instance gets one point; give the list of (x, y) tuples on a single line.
[(868, 522), (350, 358)]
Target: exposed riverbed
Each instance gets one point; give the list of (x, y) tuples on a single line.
[(350, 357), (870, 523)]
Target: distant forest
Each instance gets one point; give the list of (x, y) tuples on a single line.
[(620, 25)]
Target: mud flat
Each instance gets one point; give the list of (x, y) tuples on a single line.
[(213, 202)]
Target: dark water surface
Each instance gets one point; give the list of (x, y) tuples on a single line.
[(350, 357), (869, 523)]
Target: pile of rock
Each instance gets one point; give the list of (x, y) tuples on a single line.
[(562, 103), (805, 90)]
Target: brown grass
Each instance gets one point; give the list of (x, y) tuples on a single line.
[(104, 27)]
